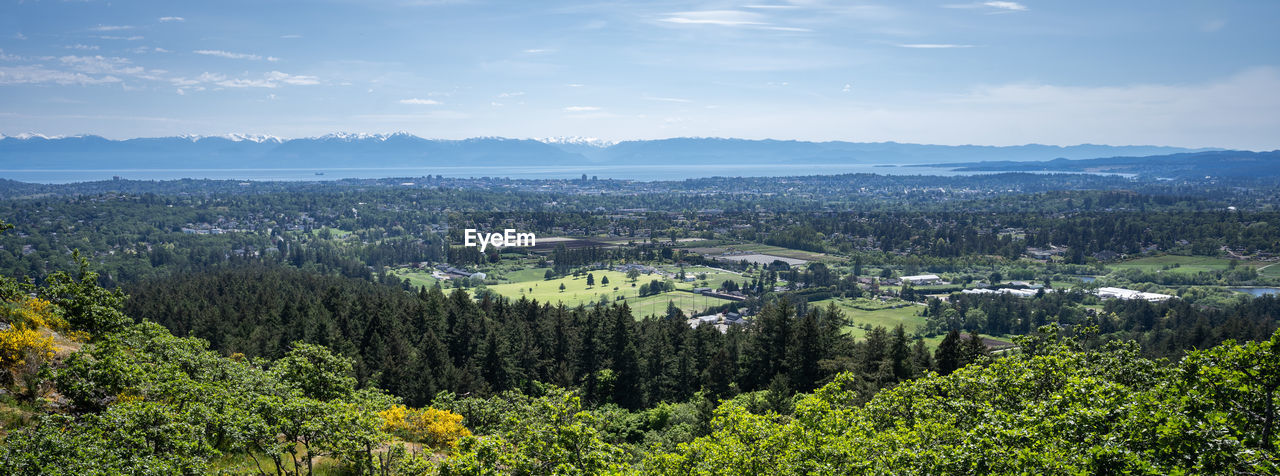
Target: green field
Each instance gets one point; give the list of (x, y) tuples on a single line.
[(416, 277), (1185, 264), (908, 316), (714, 277), (1270, 270), (577, 292), (527, 274), (691, 304)]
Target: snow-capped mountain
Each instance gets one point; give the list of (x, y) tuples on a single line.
[(401, 149)]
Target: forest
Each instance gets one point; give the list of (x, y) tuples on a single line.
[(814, 325)]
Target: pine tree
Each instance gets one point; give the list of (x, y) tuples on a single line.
[(948, 355)]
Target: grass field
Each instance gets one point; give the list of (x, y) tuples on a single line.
[(785, 252), (416, 277), (577, 292), (1270, 270), (691, 304), (527, 274), (714, 277), (1185, 264), (908, 316)]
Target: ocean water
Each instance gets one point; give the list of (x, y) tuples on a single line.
[(632, 172)]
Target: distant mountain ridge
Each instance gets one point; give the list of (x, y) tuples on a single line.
[(359, 150)]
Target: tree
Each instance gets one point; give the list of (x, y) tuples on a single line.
[(561, 287), (549, 275), (604, 280), (591, 279), (949, 356)]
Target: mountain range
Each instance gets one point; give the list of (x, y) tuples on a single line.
[(346, 150)]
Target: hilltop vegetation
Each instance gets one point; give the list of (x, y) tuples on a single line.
[(138, 400)]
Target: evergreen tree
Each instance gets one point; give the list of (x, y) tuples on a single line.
[(949, 355)]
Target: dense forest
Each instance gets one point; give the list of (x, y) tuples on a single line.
[(136, 399)]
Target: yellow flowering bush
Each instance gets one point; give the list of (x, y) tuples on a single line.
[(21, 339), (429, 426), (16, 343)]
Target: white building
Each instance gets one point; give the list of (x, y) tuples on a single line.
[(1121, 293), (922, 279)]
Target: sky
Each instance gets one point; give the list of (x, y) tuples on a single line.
[(1178, 73)]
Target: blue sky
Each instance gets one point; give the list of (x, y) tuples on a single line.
[(1187, 73)]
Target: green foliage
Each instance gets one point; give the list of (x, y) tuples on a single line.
[(1057, 411), (86, 305)]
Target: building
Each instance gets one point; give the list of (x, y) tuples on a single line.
[(1121, 293), (925, 279)]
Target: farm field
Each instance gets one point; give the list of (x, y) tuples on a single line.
[(416, 277), (1184, 264), (909, 316), (576, 290), (785, 252), (1271, 270), (715, 277), (691, 304)]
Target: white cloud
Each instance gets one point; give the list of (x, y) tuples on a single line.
[(581, 109), (35, 74), (290, 37), (420, 102), (1014, 6), (123, 38), (101, 65), (272, 79), (933, 45), (111, 28), (511, 94), (534, 51), (19, 36), (230, 55), (172, 19), (8, 57), (82, 47), (1003, 7), (665, 99), (716, 17)]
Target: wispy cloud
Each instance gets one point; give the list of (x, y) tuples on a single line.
[(291, 37), (272, 79), (537, 51), (933, 45), (664, 99), (727, 18), (581, 109), (111, 28), (716, 17), (230, 55), (1014, 6), (36, 74), (19, 36), (82, 47), (511, 94), (171, 19), (992, 6), (124, 38), (420, 102)]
